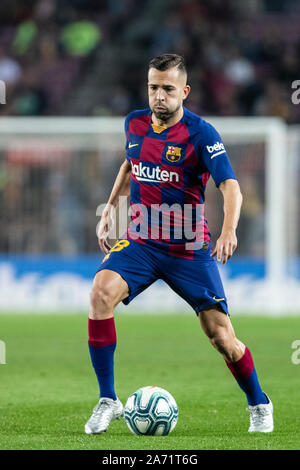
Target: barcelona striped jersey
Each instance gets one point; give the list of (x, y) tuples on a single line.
[(170, 167)]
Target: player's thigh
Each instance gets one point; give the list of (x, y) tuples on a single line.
[(109, 288), (136, 265), (197, 281)]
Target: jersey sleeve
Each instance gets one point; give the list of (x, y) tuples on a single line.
[(213, 154)]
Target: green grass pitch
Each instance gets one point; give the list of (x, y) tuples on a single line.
[(48, 387)]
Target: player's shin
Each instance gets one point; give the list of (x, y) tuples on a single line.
[(102, 345), (244, 372)]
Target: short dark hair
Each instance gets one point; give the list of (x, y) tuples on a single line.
[(168, 61)]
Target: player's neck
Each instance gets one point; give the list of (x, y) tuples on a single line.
[(171, 122)]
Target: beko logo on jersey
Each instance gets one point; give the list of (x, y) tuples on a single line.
[(153, 174), (216, 149)]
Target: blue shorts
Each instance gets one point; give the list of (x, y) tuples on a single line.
[(196, 280)]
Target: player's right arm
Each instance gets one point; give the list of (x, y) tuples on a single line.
[(121, 187)]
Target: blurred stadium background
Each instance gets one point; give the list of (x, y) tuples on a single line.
[(73, 69)]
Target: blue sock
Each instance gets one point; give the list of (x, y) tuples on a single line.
[(245, 374), (102, 345), (252, 389), (103, 363)]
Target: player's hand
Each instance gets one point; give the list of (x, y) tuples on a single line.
[(225, 246), (106, 223)]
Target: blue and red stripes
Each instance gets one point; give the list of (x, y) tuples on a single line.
[(147, 149)]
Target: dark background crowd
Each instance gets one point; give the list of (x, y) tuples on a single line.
[(89, 57)]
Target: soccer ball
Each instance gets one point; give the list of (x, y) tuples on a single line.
[(151, 411)]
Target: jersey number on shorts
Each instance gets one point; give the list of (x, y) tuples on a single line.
[(117, 247)]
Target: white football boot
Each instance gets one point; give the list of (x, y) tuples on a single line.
[(261, 417), (104, 412)]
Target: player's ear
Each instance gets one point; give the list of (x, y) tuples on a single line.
[(186, 91)]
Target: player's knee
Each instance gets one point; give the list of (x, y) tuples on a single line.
[(101, 299)]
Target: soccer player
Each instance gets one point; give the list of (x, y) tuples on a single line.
[(170, 155)]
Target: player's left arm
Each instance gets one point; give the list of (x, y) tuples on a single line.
[(227, 242)]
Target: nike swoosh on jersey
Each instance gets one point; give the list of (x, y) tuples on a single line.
[(132, 145)]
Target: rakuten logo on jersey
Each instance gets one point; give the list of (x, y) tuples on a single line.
[(153, 174)]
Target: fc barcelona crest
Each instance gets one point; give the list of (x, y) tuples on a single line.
[(173, 154)]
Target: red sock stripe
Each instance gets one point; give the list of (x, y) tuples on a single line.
[(102, 332), (242, 368)]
